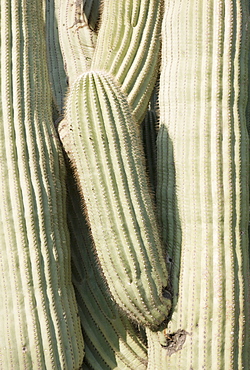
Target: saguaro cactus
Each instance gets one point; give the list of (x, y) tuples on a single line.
[(39, 324), (98, 69), (128, 46), (105, 150), (203, 164), (101, 136), (111, 341)]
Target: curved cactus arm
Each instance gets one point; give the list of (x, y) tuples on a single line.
[(203, 97), (107, 155), (39, 324), (111, 341), (128, 48)]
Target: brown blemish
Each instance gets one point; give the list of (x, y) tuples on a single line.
[(174, 341)]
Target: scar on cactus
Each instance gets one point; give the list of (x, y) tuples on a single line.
[(174, 341)]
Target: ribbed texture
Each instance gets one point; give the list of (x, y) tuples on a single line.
[(56, 66), (106, 153), (203, 179), (76, 25), (156, 353), (111, 341), (128, 47), (39, 326)]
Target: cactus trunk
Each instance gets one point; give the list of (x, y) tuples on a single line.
[(203, 182), (39, 323)]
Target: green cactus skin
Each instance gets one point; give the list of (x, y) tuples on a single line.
[(77, 20), (156, 354), (57, 74), (128, 48), (203, 162), (248, 101), (111, 341), (70, 41), (106, 152), (39, 323)]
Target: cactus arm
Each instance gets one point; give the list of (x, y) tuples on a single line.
[(128, 48), (203, 96), (106, 152), (39, 323), (110, 339)]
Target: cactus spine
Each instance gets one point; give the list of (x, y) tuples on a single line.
[(106, 152), (39, 324), (203, 164)]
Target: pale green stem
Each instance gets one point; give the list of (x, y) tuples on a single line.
[(128, 47), (39, 324), (111, 340), (105, 150), (204, 145)]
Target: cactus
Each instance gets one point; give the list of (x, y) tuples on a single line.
[(203, 159), (128, 48), (105, 151), (111, 340), (40, 327), (101, 67), (71, 38)]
